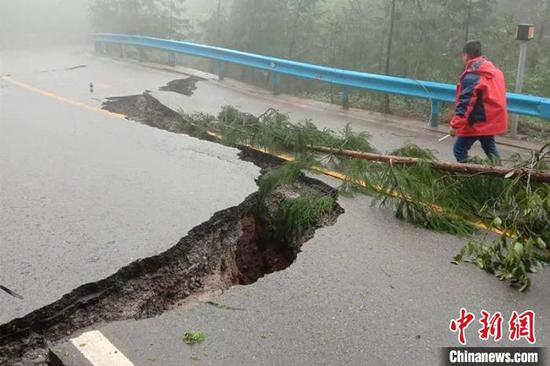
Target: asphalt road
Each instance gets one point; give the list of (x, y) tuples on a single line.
[(367, 291), (84, 193)]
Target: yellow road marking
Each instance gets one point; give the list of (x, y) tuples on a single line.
[(59, 98), (330, 173)]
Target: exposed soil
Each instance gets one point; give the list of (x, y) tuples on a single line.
[(148, 110), (238, 245), (182, 86), (142, 108)]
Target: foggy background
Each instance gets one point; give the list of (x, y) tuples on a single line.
[(425, 43), (35, 23)]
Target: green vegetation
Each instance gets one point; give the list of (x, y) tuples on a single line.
[(451, 202), (514, 206), (286, 174), (274, 131), (193, 337), (158, 18), (297, 215), (425, 43)]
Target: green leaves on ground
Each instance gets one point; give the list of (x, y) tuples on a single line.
[(274, 131), (451, 202), (297, 215), (287, 174), (193, 337), (458, 203), (508, 260)]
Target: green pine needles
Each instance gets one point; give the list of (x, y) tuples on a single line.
[(288, 173), (273, 131), (515, 207), (298, 215)]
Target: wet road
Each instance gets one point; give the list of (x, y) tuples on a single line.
[(84, 193)]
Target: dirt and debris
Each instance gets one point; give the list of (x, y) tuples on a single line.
[(236, 246), (182, 86), (143, 108), (146, 109), (76, 67), (11, 292)]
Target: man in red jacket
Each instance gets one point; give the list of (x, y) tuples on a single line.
[(481, 105)]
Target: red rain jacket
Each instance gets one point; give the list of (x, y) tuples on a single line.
[(481, 105)]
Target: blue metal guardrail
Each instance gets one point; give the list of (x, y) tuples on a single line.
[(435, 92)]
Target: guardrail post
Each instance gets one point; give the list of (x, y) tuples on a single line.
[(275, 82), (221, 70), (436, 110), (171, 59), (142, 55), (545, 109), (345, 99)]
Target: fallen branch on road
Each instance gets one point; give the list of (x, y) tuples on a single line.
[(497, 171), (512, 202)]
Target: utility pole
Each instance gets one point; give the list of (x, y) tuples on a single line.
[(524, 33), (388, 53)]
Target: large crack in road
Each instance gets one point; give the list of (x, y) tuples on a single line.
[(237, 246)]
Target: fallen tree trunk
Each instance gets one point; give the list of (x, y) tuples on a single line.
[(498, 171)]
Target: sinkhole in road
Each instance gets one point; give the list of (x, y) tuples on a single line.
[(237, 246)]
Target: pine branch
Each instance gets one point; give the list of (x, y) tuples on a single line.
[(497, 171)]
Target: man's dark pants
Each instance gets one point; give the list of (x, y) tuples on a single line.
[(463, 144)]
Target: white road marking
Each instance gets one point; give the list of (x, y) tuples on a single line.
[(99, 350)]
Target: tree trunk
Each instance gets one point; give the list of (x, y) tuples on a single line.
[(388, 54), (467, 21), (498, 171), (295, 29), (544, 22), (332, 61), (219, 25)]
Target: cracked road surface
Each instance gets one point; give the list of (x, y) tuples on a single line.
[(84, 193)]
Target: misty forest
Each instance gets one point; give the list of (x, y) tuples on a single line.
[(161, 159), (419, 39)]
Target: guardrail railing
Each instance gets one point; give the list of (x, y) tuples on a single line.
[(437, 93)]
